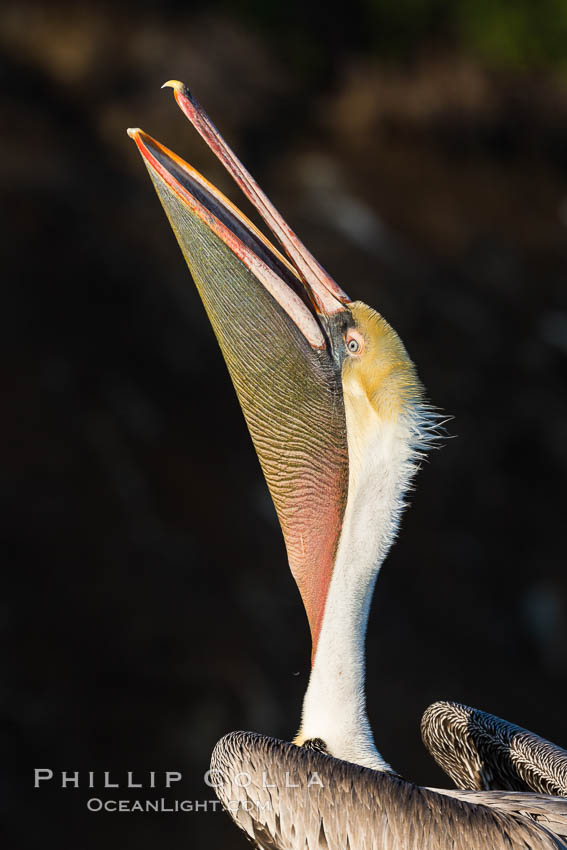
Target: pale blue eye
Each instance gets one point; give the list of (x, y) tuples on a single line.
[(353, 346)]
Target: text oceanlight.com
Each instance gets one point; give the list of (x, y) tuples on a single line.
[(96, 804)]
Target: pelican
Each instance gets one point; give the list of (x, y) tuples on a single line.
[(482, 752), (339, 421)]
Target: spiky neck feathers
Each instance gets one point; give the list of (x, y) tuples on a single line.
[(387, 428)]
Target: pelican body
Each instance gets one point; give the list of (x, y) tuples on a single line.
[(339, 421)]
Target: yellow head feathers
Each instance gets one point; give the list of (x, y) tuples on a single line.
[(377, 365)]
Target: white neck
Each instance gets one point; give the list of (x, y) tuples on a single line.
[(380, 468)]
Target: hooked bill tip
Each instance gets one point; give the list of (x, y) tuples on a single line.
[(180, 90), (175, 85), (133, 132)]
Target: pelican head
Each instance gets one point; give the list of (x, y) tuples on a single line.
[(376, 366), (333, 404)]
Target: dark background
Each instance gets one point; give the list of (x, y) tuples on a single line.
[(420, 150)]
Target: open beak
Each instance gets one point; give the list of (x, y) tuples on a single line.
[(276, 321)]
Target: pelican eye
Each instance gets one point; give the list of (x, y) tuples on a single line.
[(354, 342)]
